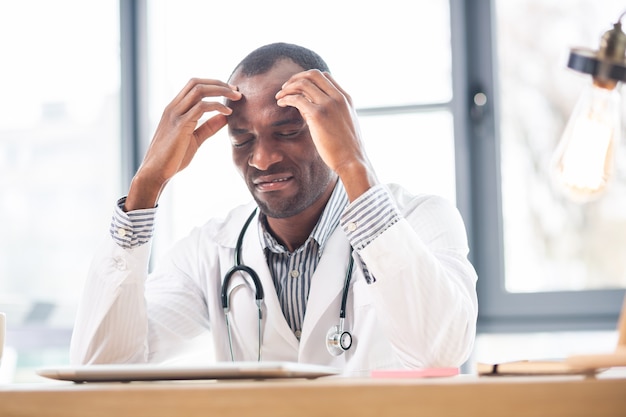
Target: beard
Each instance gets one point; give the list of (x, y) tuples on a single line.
[(311, 185)]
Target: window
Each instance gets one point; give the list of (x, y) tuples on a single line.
[(61, 157), (479, 132), (546, 265), (59, 165), (398, 72), (550, 243)]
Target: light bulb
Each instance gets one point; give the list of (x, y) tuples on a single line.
[(583, 161)]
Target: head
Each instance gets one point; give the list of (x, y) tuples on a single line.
[(271, 145), (262, 59)]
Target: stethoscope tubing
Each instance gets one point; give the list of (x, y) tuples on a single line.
[(259, 294)]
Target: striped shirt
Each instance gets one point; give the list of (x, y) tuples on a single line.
[(292, 271), (133, 228), (362, 221)]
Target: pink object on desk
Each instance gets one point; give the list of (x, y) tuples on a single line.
[(414, 373)]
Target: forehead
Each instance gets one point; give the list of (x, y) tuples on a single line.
[(259, 91)]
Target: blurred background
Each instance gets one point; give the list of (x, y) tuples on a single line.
[(465, 99)]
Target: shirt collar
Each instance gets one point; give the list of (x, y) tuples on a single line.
[(325, 226)]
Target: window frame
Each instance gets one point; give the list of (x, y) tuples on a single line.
[(133, 86), (477, 134)]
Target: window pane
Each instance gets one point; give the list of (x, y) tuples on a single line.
[(384, 54), (387, 53), (413, 150), (508, 347), (59, 162), (550, 243)]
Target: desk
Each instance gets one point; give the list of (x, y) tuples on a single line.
[(458, 396)]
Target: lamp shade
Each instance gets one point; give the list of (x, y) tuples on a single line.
[(583, 163)]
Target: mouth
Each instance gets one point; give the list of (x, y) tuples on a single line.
[(268, 183)]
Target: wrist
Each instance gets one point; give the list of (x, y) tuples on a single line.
[(357, 178), (143, 193)]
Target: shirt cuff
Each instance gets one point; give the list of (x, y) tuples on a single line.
[(134, 228), (369, 216)]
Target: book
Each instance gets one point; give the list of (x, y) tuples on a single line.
[(532, 367)]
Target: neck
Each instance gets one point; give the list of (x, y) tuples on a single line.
[(292, 232)]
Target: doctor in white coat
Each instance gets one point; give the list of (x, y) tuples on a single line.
[(408, 299)]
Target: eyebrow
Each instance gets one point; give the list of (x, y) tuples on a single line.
[(278, 123), (236, 131), (284, 122)]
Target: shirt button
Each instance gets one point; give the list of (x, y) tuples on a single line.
[(294, 274), (121, 232), (298, 333), (351, 227)]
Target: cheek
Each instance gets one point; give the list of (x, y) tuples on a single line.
[(240, 160)]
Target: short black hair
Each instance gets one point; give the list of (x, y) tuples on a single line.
[(263, 59)]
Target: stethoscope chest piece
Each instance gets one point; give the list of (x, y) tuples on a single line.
[(337, 340)]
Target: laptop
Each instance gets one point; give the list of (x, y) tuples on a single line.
[(587, 364), (156, 372)]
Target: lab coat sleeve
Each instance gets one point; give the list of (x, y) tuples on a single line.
[(425, 287), (128, 316), (111, 323)]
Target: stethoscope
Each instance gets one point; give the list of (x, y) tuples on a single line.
[(338, 340)]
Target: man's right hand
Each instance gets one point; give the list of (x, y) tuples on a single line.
[(178, 137)]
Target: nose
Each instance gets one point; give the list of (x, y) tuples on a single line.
[(264, 154)]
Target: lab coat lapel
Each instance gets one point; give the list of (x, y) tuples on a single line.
[(276, 330), (325, 294)]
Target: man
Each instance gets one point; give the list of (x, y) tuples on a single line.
[(410, 298)]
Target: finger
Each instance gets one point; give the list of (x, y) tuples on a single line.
[(200, 89), (299, 101), (210, 127), (192, 83), (313, 85), (338, 87), (200, 110), (300, 84)]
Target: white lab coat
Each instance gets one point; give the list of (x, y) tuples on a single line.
[(420, 312)]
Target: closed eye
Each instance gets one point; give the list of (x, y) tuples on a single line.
[(288, 134), (290, 130), (241, 141)]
